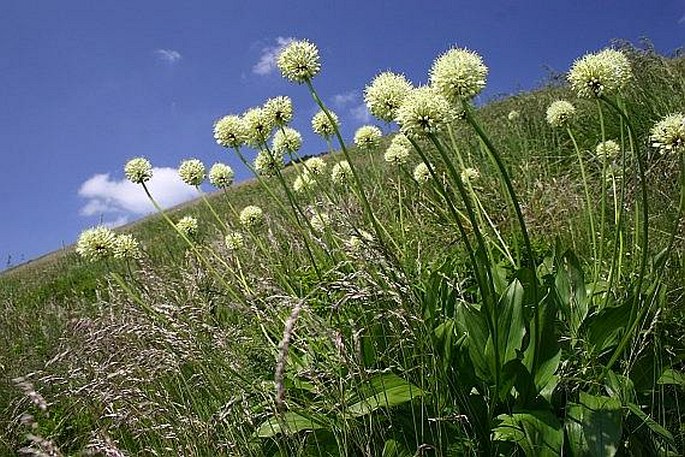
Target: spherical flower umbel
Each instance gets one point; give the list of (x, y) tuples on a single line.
[(234, 241), (320, 221), (303, 182), (229, 132), (189, 227), (560, 113), (424, 112), (251, 216), (385, 94), (368, 138), (341, 173), (421, 173), (286, 140), (513, 116), (192, 172), (221, 176), (669, 133), (608, 149), (299, 61), (126, 247), (398, 151), (258, 126), (598, 74), (280, 110), (268, 163), (458, 74), (315, 166), (323, 126), (138, 170), (96, 243)]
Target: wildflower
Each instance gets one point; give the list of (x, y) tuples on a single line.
[(188, 226), (299, 61), (560, 113), (251, 216), (608, 149), (258, 126), (221, 176), (126, 247), (320, 221), (385, 94), (368, 138), (286, 140), (669, 133), (303, 182), (424, 112), (229, 132), (96, 243), (458, 74), (421, 173), (513, 116), (315, 166), (341, 172), (323, 126), (234, 241), (468, 175), (267, 163), (279, 110), (138, 170), (602, 73), (398, 151), (192, 172)]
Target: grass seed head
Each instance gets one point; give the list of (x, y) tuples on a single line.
[(189, 227), (268, 163), (421, 173), (341, 173), (303, 182), (126, 247), (398, 151), (315, 166), (279, 110), (234, 241), (598, 74), (258, 126), (608, 149)]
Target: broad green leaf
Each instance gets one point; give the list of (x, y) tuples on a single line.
[(543, 365), (604, 328), (670, 376), (594, 426), (472, 321), (393, 448), (510, 325), (288, 423), (385, 390), (651, 423), (572, 291), (537, 432)]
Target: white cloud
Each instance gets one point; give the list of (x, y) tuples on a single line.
[(267, 60), (344, 99), (361, 114), (122, 198), (118, 222), (682, 19), (168, 55)]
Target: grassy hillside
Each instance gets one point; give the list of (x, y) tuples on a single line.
[(423, 323)]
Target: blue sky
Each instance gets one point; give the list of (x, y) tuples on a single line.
[(87, 85)]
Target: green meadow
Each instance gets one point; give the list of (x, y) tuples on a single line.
[(495, 280)]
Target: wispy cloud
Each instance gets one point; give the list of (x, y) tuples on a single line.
[(122, 199), (351, 103), (681, 20), (170, 56), (269, 54)]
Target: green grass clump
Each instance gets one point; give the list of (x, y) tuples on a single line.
[(523, 297)]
